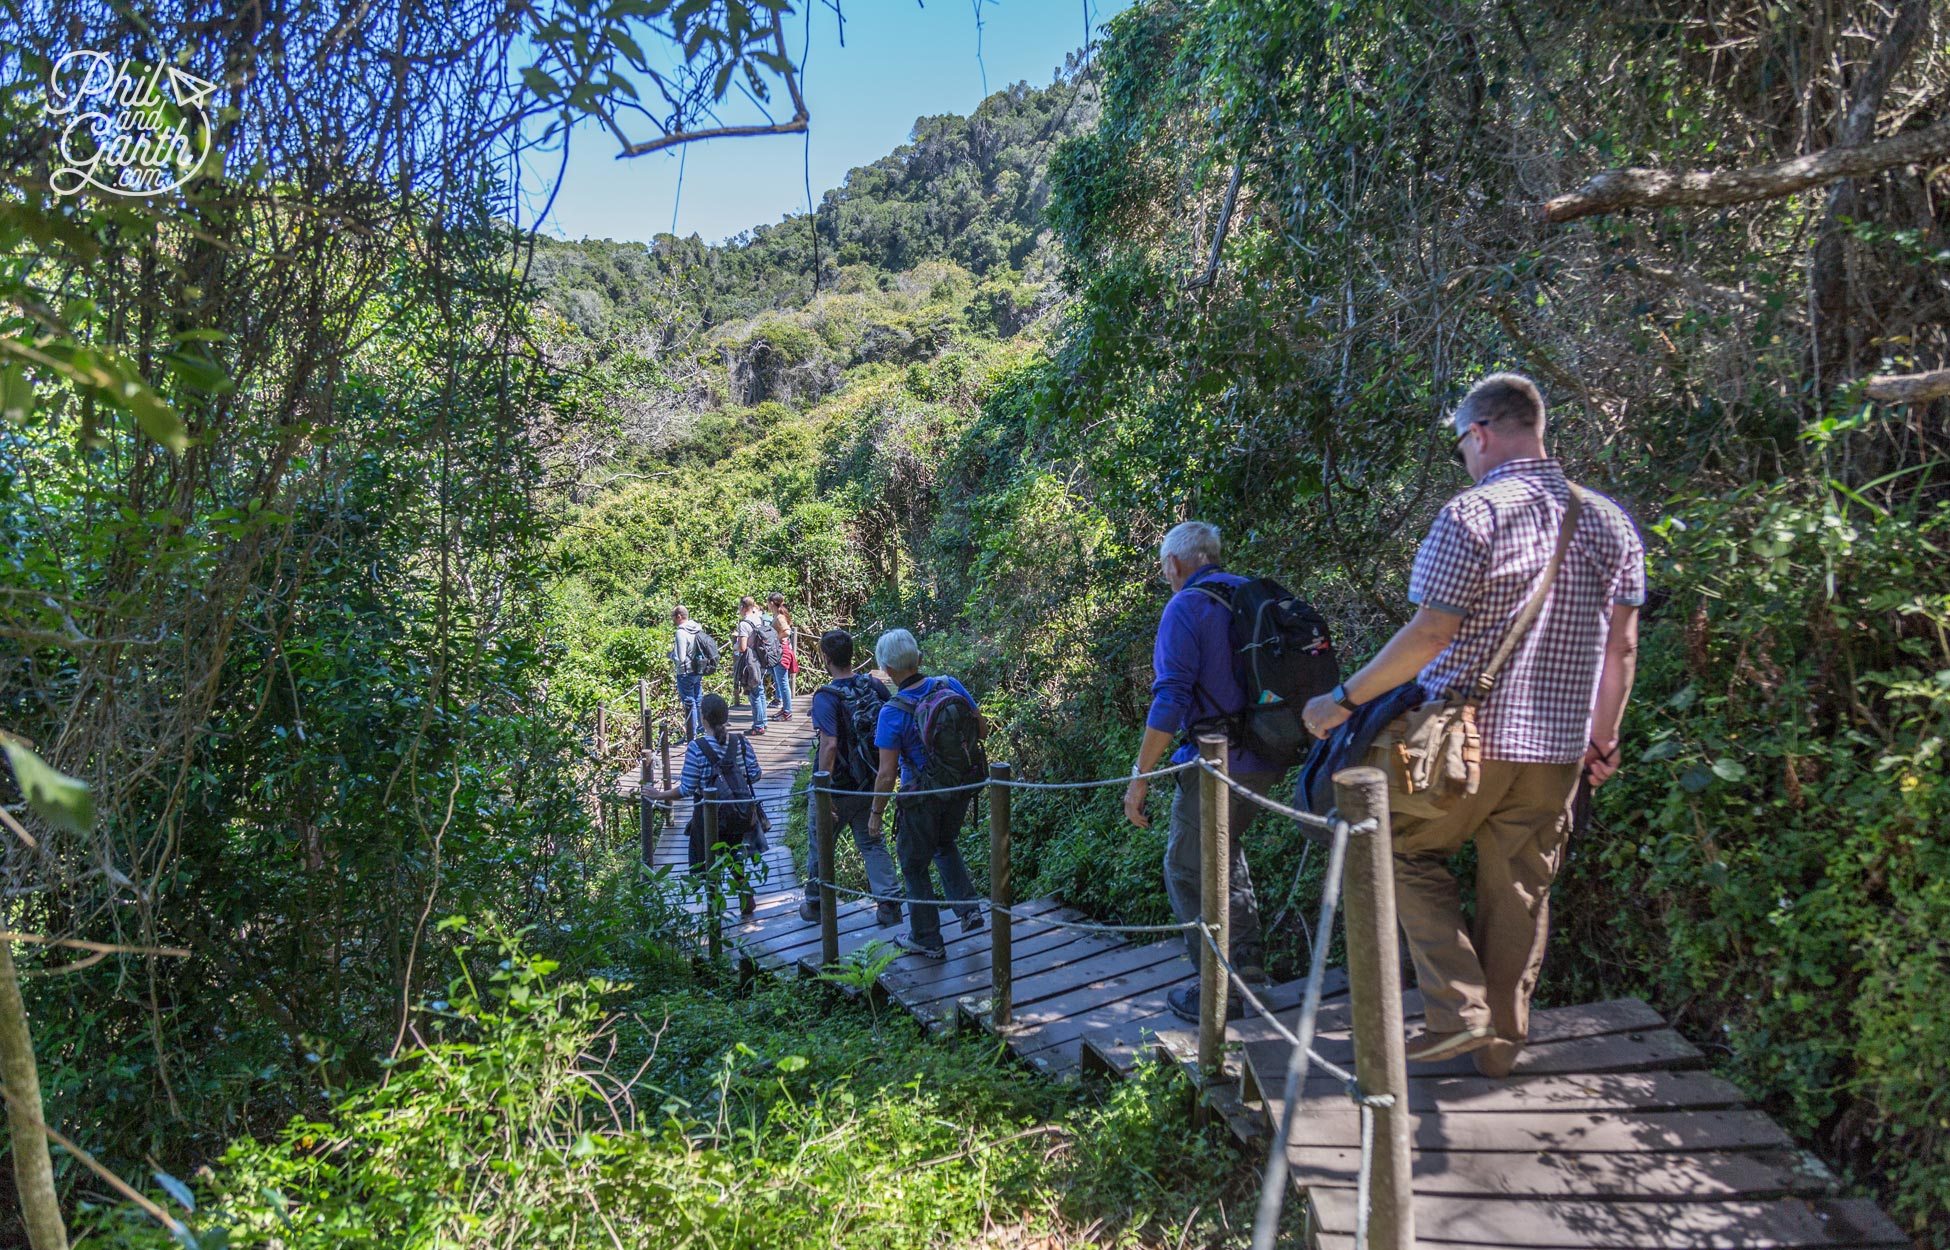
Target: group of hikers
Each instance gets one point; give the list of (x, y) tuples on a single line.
[(1488, 711), (763, 651)]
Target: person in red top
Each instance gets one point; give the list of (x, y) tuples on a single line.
[(1553, 715)]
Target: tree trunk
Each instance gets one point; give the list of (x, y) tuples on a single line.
[(33, 1171), (1836, 338)]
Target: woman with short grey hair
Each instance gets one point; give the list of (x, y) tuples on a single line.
[(897, 650)]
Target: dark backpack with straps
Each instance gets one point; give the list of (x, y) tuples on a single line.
[(948, 723), (858, 760), (737, 807), (704, 655), (1284, 656), (764, 645)]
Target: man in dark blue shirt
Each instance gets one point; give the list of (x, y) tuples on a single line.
[(1196, 689), (843, 756)]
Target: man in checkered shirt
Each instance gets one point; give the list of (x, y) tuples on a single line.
[(1553, 715)]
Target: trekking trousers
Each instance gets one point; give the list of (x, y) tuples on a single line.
[(1183, 848), (926, 836), (851, 812), (1520, 820)]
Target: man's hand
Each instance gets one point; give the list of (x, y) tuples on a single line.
[(1134, 796), (1322, 714), (1600, 762), (875, 822)]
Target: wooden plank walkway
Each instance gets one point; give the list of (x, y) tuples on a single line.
[(1608, 1135)]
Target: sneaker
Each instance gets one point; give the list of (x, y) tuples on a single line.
[(971, 921), (1498, 1058), (1433, 1047), (1183, 1002), (914, 946), (809, 908), (886, 915)]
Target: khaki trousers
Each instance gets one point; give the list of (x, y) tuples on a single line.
[(1520, 817)]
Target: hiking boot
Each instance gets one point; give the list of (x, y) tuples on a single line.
[(809, 908), (914, 946), (1498, 1057), (886, 915), (1183, 1002), (1433, 1047), (747, 905), (971, 921)]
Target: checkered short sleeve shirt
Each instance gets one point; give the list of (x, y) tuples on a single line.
[(1481, 561)]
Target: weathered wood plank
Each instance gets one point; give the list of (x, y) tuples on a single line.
[(1663, 1174), (1593, 1225), (1334, 1122), (1117, 1049)]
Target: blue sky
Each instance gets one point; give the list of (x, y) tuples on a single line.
[(901, 61)]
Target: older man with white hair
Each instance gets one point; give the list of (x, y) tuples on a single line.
[(1196, 689)]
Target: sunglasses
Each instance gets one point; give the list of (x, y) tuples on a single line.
[(1456, 451)]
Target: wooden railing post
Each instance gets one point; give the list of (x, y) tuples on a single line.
[(643, 708), (1215, 893), (1374, 978), (829, 901), (645, 834), (714, 898), (663, 735), (1002, 971)]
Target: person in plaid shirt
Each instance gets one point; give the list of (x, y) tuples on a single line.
[(1552, 717)]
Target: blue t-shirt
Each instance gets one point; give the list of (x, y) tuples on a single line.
[(897, 729)]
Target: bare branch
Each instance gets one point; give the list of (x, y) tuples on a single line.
[(1617, 189), (1909, 388), (1211, 273), (105, 948)]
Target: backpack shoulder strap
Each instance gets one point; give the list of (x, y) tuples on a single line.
[(1486, 680)]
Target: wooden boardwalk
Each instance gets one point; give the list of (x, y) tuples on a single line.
[(1609, 1134)]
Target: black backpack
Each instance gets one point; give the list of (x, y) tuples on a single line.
[(858, 760), (737, 820), (947, 721), (704, 655), (1284, 656), (764, 645)]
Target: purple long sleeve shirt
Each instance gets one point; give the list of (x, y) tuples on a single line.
[(1192, 662)]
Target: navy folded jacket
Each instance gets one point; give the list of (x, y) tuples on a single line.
[(1347, 746)]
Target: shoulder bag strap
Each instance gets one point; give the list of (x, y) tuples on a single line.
[(1486, 680)]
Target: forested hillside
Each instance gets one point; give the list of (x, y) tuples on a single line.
[(328, 651)]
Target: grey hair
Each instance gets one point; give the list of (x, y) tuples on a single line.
[(1193, 542), (1501, 397), (896, 649), (680, 612)]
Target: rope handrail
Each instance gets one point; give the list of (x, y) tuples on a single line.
[(1095, 783), (1292, 813)]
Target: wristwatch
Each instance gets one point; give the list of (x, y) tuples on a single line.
[(1339, 695)]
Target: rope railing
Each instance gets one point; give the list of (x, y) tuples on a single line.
[(1359, 853), (1093, 784)]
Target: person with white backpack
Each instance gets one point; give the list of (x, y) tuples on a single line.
[(694, 656), (845, 714)]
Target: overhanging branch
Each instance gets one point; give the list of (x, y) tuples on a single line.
[(1617, 189), (1909, 388)]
